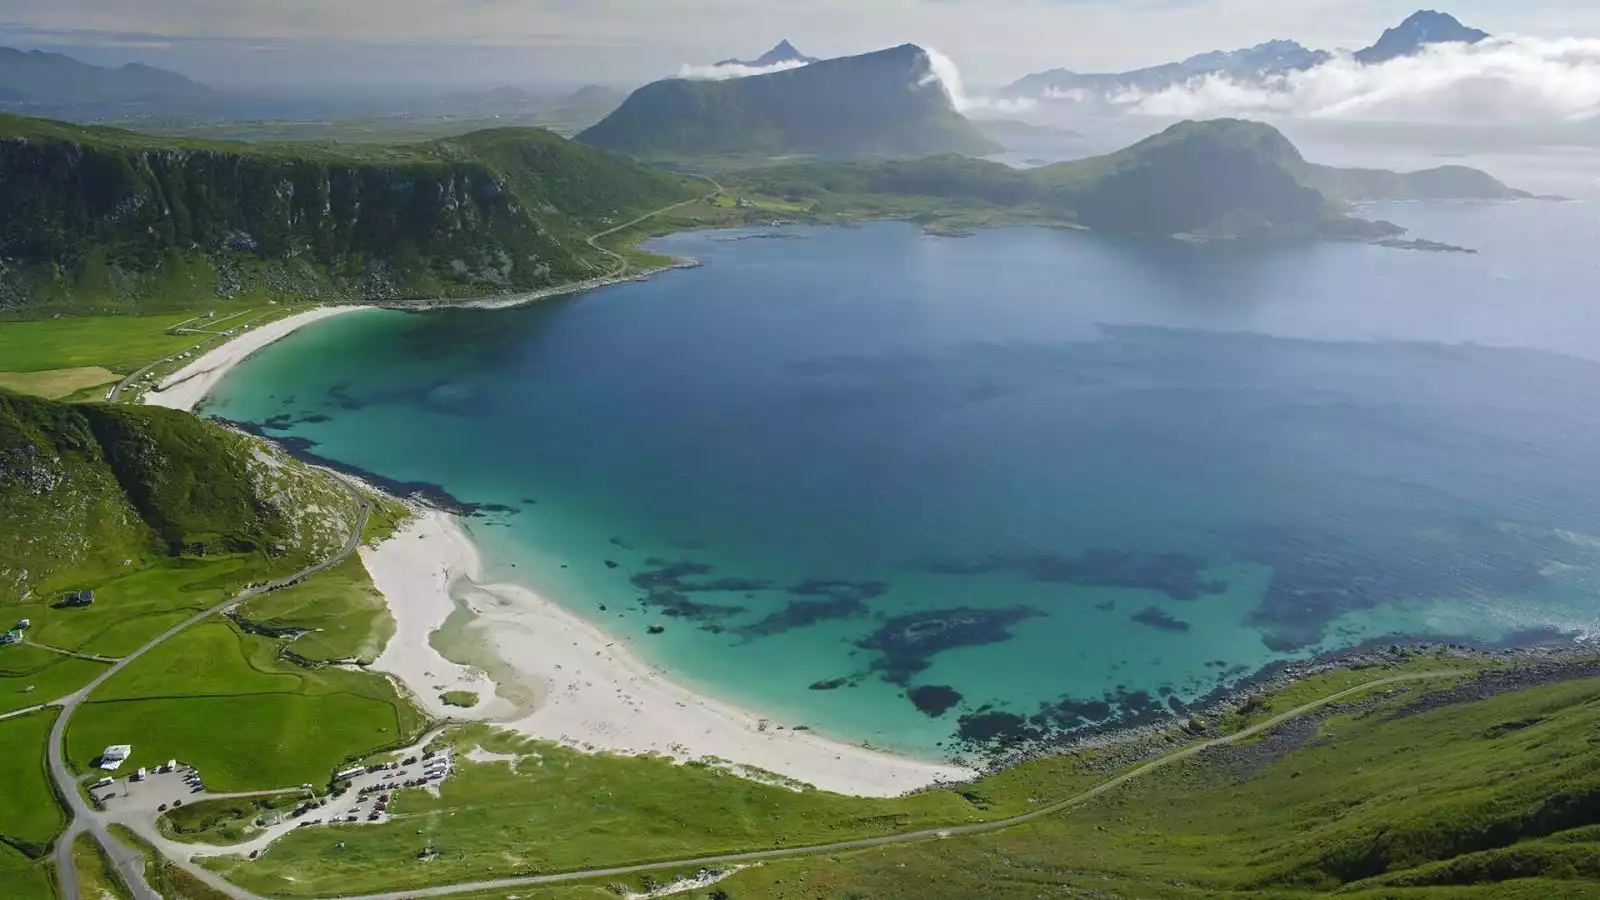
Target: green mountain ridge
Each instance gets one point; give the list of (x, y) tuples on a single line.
[(99, 212), (886, 103), (1224, 179), (98, 490)]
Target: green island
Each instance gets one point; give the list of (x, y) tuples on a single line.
[(200, 594)]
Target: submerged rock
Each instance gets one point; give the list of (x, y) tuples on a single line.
[(934, 700)]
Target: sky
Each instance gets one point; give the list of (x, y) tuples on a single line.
[(296, 45)]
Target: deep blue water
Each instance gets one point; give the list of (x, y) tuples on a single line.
[(1067, 477)]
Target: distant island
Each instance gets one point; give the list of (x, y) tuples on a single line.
[(885, 103), (1224, 180)]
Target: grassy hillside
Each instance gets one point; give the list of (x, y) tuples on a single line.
[(111, 220), (883, 103), (1408, 797), (1218, 180), (1481, 786), (96, 492)]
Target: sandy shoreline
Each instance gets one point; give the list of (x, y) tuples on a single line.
[(542, 671), (185, 388), (563, 679)]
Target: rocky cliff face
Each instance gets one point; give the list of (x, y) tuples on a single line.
[(91, 212), (102, 490)]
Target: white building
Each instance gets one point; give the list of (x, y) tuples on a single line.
[(114, 756)]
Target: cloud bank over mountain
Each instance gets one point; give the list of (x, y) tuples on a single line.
[(725, 71), (1510, 80), (943, 69)]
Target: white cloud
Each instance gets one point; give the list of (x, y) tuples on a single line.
[(1514, 80), (728, 71), (942, 69)]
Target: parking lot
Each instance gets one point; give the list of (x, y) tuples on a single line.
[(362, 797)]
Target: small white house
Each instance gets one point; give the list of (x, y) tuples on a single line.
[(114, 756)]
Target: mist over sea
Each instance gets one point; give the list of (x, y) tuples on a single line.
[(941, 493)]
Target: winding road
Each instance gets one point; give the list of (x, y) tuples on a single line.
[(622, 262), (129, 863)]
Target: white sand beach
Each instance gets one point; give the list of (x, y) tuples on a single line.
[(579, 686), (185, 388), (414, 570)]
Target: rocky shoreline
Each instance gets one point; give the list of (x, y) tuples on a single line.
[(1118, 745)]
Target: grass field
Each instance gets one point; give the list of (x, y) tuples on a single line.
[(222, 701), (57, 384), (345, 617), (118, 343), (24, 878), (30, 676), (97, 879), (30, 817)]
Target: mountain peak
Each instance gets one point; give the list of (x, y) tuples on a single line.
[(1420, 29), (876, 104), (784, 52)]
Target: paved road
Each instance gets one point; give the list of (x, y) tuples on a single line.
[(125, 383), (889, 840), (621, 268), (129, 863)]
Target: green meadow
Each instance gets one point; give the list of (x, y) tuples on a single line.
[(343, 616), (226, 703), (24, 878), (30, 817)]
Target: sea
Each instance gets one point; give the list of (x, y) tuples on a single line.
[(945, 494)]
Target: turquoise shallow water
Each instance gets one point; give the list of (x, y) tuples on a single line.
[(934, 493)]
